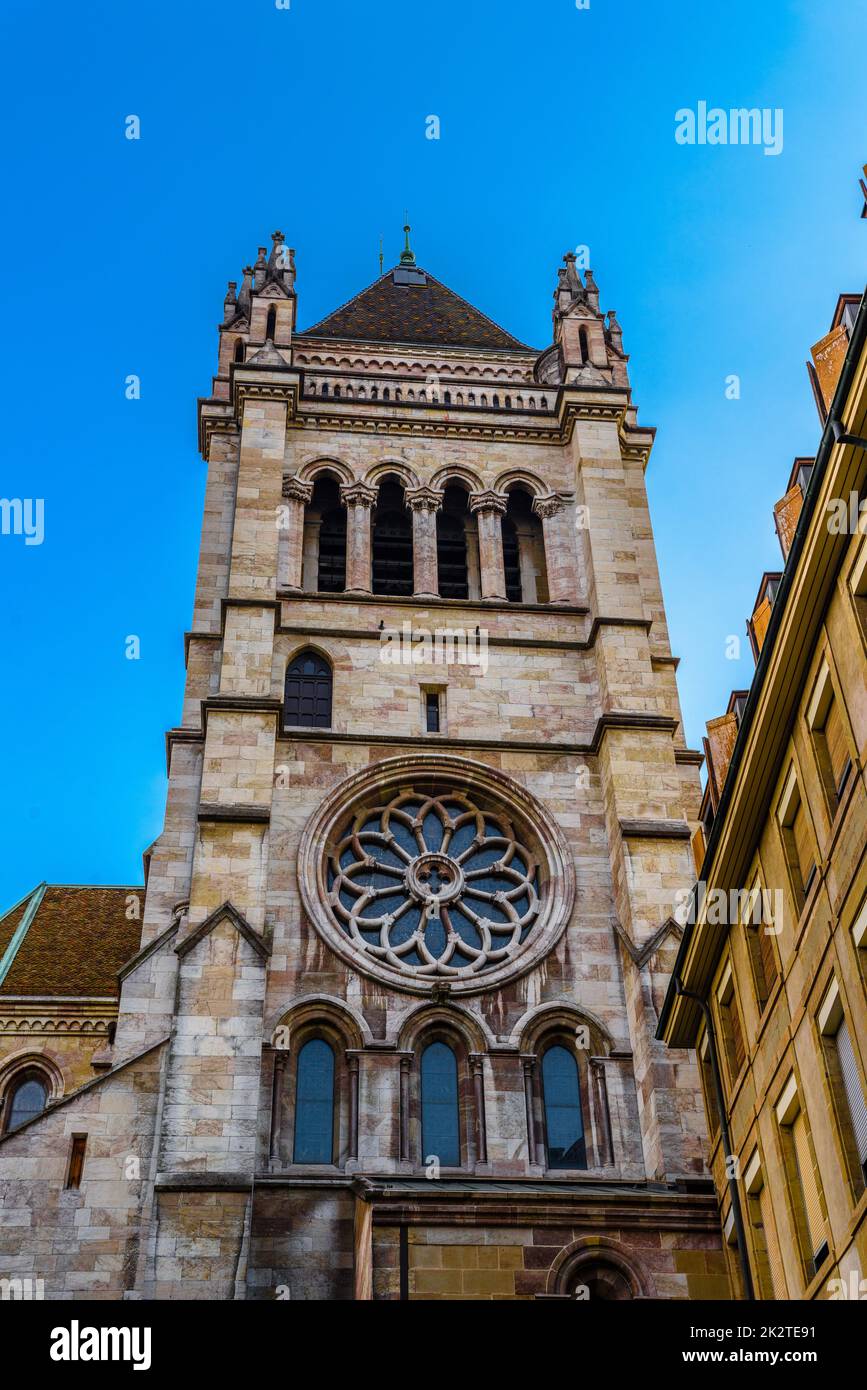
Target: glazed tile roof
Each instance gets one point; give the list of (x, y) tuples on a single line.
[(76, 941), (411, 306)]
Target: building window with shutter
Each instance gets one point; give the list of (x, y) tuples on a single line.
[(826, 720), (796, 833), (760, 945), (845, 1081), (731, 1030), (709, 1089), (770, 1279), (802, 1179)]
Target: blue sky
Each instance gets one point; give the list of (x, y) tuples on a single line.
[(557, 129)]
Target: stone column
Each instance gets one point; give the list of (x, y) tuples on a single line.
[(424, 504), (558, 559), (488, 508), (358, 499), (352, 1063), (280, 1060), (529, 1065), (296, 496), (477, 1066), (405, 1064)]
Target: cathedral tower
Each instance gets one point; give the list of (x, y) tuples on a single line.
[(390, 1032)]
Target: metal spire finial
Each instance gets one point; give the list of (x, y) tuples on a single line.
[(407, 255)]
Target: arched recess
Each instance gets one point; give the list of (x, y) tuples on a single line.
[(523, 549), (521, 477), (457, 473), (312, 469), (18, 1079), (391, 468), (314, 1091), (324, 543), (457, 545), (442, 1106), (392, 542), (548, 1033), (606, 1270)]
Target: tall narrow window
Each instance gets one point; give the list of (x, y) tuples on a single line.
[(582, 344), (75, 1171), (452, 544), (239, 350), (732, 1030), (440, 1128), (271, 327), (328, 514), (809, 1189), (432, 711), (314, 1103), (511, 561), (854, 1093), (564, 1123), (392, 543), (829, 740), (797, 840), (26, 1098), (307, 703)]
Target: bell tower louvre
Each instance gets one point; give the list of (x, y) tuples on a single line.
[(389, 1032)]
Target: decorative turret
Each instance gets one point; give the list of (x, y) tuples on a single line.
[(230, 303)]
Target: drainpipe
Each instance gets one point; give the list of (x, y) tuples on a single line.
[(731, 1168)]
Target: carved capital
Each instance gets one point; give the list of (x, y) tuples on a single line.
[(546, 507), (488, 501), (357, 495), (296, 490), (423, 499)]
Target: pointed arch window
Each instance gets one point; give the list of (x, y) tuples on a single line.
[(308, 692), (26, 1098), (564, 1122), (314, 1103), (440, 1125)]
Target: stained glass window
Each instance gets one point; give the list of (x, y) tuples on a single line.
[(564, 1124), (314, 1103), (439, 1105)]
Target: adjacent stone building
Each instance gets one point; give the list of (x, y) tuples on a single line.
[(770, 982), (389, 1028)]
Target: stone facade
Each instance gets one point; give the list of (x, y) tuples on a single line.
[(774, 960), (557, 736)]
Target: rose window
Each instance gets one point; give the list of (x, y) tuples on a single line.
[(433, 885)]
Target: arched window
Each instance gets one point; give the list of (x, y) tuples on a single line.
[(314, 1103), (440, 1127), (337, 393), (325, 388), (327, 508), (582, 345), (564, 1122), (239, 349), (386, 395), (448, 397), (374, 393), (26, 1098), (452, 545), (271, 328), (392, 542), (307, 703)]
